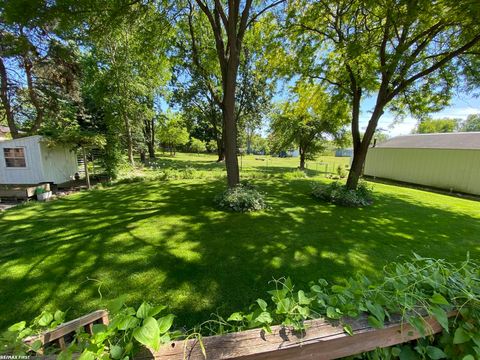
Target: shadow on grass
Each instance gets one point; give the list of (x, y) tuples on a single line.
[(165, 242)]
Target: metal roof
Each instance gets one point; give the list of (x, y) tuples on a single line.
[(460, 140)]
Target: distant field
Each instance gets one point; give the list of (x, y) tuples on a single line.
[(167, 243)]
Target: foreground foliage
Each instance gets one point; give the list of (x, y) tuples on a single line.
[(338, 193), (409, 290), (241, 198)]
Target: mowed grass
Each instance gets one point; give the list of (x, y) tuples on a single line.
[(166, 243)]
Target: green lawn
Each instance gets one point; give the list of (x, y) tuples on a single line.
[(164, 241)]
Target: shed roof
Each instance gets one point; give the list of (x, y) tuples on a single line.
[(460, 140), (33, 138)]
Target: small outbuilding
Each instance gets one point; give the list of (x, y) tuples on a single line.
[(449, 161), (32, 160)]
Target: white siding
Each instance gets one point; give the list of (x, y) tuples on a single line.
[(33, 172), (59, 163), (458, 170), (44, 164)]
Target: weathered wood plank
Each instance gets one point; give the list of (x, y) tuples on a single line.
[(322, 340), (68, 327)]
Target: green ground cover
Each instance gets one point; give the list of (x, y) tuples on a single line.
[(165, 242)]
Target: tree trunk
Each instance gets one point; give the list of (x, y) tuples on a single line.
[(128, 133), (302, 159), (220, 150), (6, 101), (360, 149), (33, 96), (151, 143), (230, 138), (85, 167), (143, 157), (221, 146)]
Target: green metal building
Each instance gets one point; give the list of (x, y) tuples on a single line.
[(449, 161)]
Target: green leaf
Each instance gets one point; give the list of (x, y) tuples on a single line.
[(236, 316), (283, 306), (264, 318), (165, 323), (59, 316), (202, 347), (65, 355), (348, 329), (156, 310), (316, 288), (45, 318), (116, 352), (332, 313), (408, 354), (144, 310), (323, 282), (87, 355), (262, 303), (468, 357), (302, 299), (116, 304), (374, 322), (439, 299), (418, 323), (148, 334), (17, 327), (441, 316), (461, 336), (435, 353), (99, 328), (127, 322), (377, 311), (37, 345), (338, 289)]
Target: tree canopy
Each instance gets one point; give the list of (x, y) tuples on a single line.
[(115, 68)]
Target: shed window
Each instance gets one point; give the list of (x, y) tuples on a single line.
[(14, 157)]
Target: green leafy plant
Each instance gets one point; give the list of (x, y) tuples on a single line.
[(341, 172), (40, 190), (13, 341), (408, 292), (242, 198), (337, 193), (296, 174)]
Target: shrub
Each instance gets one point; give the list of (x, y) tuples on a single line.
[(242, 198), (197, 145), (337, 193), (296, 174), (341, 172)]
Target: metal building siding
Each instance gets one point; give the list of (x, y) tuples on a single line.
[(33, 172), (458, 170)]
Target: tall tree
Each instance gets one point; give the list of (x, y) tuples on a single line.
[(308, 120), (198, 78), (38, 69), (229, 23), (406, 54), (130, 63)]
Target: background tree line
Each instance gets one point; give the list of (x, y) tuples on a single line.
[(209, 74)]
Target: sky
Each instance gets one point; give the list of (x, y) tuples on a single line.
[(461, 106)]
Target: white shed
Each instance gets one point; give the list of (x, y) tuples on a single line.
[(30, 160)]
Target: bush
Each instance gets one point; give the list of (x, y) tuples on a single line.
[(296, 174), (242, 198), (341, 172), (337, 193)]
